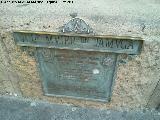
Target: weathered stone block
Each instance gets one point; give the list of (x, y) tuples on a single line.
[(137, 77)]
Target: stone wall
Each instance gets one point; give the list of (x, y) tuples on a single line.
[(136, 83)]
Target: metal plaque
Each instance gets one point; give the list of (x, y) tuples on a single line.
[(116, 44), (79, 74), (77, 66)]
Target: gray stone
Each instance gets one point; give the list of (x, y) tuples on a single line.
[(12, 108)]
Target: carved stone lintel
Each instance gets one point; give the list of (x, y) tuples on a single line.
[(76, 25)]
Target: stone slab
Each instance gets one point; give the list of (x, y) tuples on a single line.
[(12, 108)]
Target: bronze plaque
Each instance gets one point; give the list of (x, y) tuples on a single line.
[(77, 66)]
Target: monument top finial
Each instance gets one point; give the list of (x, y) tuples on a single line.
[(73, 15), (76, 25)]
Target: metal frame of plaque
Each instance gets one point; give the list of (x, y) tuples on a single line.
[(80, 66)]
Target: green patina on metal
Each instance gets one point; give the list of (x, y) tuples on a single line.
[(116, 44), (76, 65)]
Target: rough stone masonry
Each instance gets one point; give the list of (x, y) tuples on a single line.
[(137, 81)]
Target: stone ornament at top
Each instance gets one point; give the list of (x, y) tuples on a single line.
[(76, 25)]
